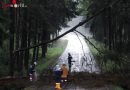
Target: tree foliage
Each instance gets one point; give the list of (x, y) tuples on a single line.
[(111, 27), (31, 25)]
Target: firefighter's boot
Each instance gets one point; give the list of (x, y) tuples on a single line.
[(58, 86)]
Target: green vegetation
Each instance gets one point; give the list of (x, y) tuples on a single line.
[(117, 88), (109, 61), (22, 27), (97, 54), (4, 57), (98, 44), (52, 55), (110, 30)]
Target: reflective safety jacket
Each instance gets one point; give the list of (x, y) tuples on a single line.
[(64, 72)]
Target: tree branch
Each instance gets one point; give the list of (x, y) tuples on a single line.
[(71, 30), (89, 41)]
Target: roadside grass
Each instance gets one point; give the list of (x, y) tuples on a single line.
[(99, 45), (108, 61), (94, 51), (92, 80), (52, 55), (104, 61), (117, 88)]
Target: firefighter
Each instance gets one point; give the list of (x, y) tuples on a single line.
[(64, 72), (31, 72), (58, 73), (70, 61)]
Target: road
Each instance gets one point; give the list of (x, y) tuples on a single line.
[(78, 48), (80, 52)]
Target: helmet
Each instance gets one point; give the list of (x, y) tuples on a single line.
[(64, 63), (35, 63)]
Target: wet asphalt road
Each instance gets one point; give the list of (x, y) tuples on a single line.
[(78, 48)]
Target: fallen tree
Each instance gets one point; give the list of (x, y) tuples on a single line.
[(71, 30)]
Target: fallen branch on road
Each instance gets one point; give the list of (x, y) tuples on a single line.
[(89, 41)]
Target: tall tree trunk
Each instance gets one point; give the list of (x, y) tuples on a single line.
[(44, 47), (27, 35), (37, 50), (17, 39), (35, 41), (25, 40), (21, 61), (28, 45), (110, 30), (11, 41), (34, 50)]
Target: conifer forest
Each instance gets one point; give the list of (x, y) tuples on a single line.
[(30, 34)]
